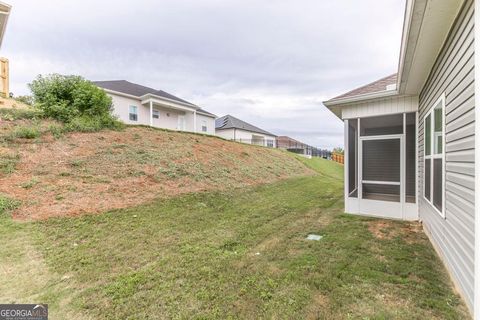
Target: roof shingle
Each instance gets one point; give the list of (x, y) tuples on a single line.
[(136, 90), (230, 122), (376, 86)]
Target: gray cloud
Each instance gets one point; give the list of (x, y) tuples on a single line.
[(268, 62)]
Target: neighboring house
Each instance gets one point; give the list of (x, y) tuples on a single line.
[(232, 128), (292, 145), (137, 104), (411, 139), (4, 70)]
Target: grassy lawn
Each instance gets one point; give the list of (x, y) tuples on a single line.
[(237, 254)]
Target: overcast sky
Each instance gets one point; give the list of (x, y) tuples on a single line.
[(270, 63)]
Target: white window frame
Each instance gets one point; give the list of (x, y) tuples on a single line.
[(204, 126), (130, 113), (433, 156), (155, 114)]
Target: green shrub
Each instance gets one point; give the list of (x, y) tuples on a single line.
[(26, 132), (69, 97)]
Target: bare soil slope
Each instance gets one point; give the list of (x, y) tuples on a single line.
[(81, 173)]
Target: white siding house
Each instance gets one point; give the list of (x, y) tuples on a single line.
[(411, 138), (136, 104), (231, 128)]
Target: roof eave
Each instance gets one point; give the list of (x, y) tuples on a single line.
[(151, 95), (4, 14), (363, 97), (425, 31)]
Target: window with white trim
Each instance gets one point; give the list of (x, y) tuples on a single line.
[(155, 114), (434, 156), (204, 126), (133, 113)]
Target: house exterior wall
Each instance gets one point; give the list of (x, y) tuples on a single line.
[(453, 75), (380, 107), (121, 105), (243, 135), (210, 121), (168, 117)]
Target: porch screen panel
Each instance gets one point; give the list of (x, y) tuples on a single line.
[(381, 192), (410, 181), (352, 157), (381, 160), (381, 125)]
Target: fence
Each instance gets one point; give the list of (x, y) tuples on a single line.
[(298, 148), (337, 157)]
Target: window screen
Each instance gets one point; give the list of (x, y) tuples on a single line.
[(437, 183), (434, 130)]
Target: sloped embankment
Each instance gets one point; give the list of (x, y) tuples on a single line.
[(80, 173)]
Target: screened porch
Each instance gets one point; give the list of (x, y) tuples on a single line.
[(381, 165)]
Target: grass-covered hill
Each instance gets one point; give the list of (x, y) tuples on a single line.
[(49, 169)]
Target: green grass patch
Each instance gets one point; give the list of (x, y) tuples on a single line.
[(236, 254)]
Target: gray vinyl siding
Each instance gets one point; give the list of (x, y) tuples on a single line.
[(453, 74)]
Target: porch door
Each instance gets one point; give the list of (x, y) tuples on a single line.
[(181, 123), (381, 190)]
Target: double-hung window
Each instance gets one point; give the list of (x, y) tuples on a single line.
[(133, 113), (204, 126), (434, 156), (155, 114)]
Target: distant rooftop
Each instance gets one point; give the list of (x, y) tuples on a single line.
[(230, 122), (384, 84), (138, 90)]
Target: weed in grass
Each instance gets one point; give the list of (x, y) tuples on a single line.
[(77, 163), (26, 132), (8, 163), (56, 130), (7, 204), (29, 184)]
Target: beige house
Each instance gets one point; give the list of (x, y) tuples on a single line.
[(4, 72), (137, 104), (231, 128)]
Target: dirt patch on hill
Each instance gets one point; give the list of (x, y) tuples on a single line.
[(95, 172)]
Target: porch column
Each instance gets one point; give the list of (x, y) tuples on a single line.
[(151, 113), (195, 121)]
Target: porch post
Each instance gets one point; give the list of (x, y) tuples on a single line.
[(345, 165), (195, 121), (151, 113)]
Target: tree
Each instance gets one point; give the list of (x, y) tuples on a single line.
[(338, 150)]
